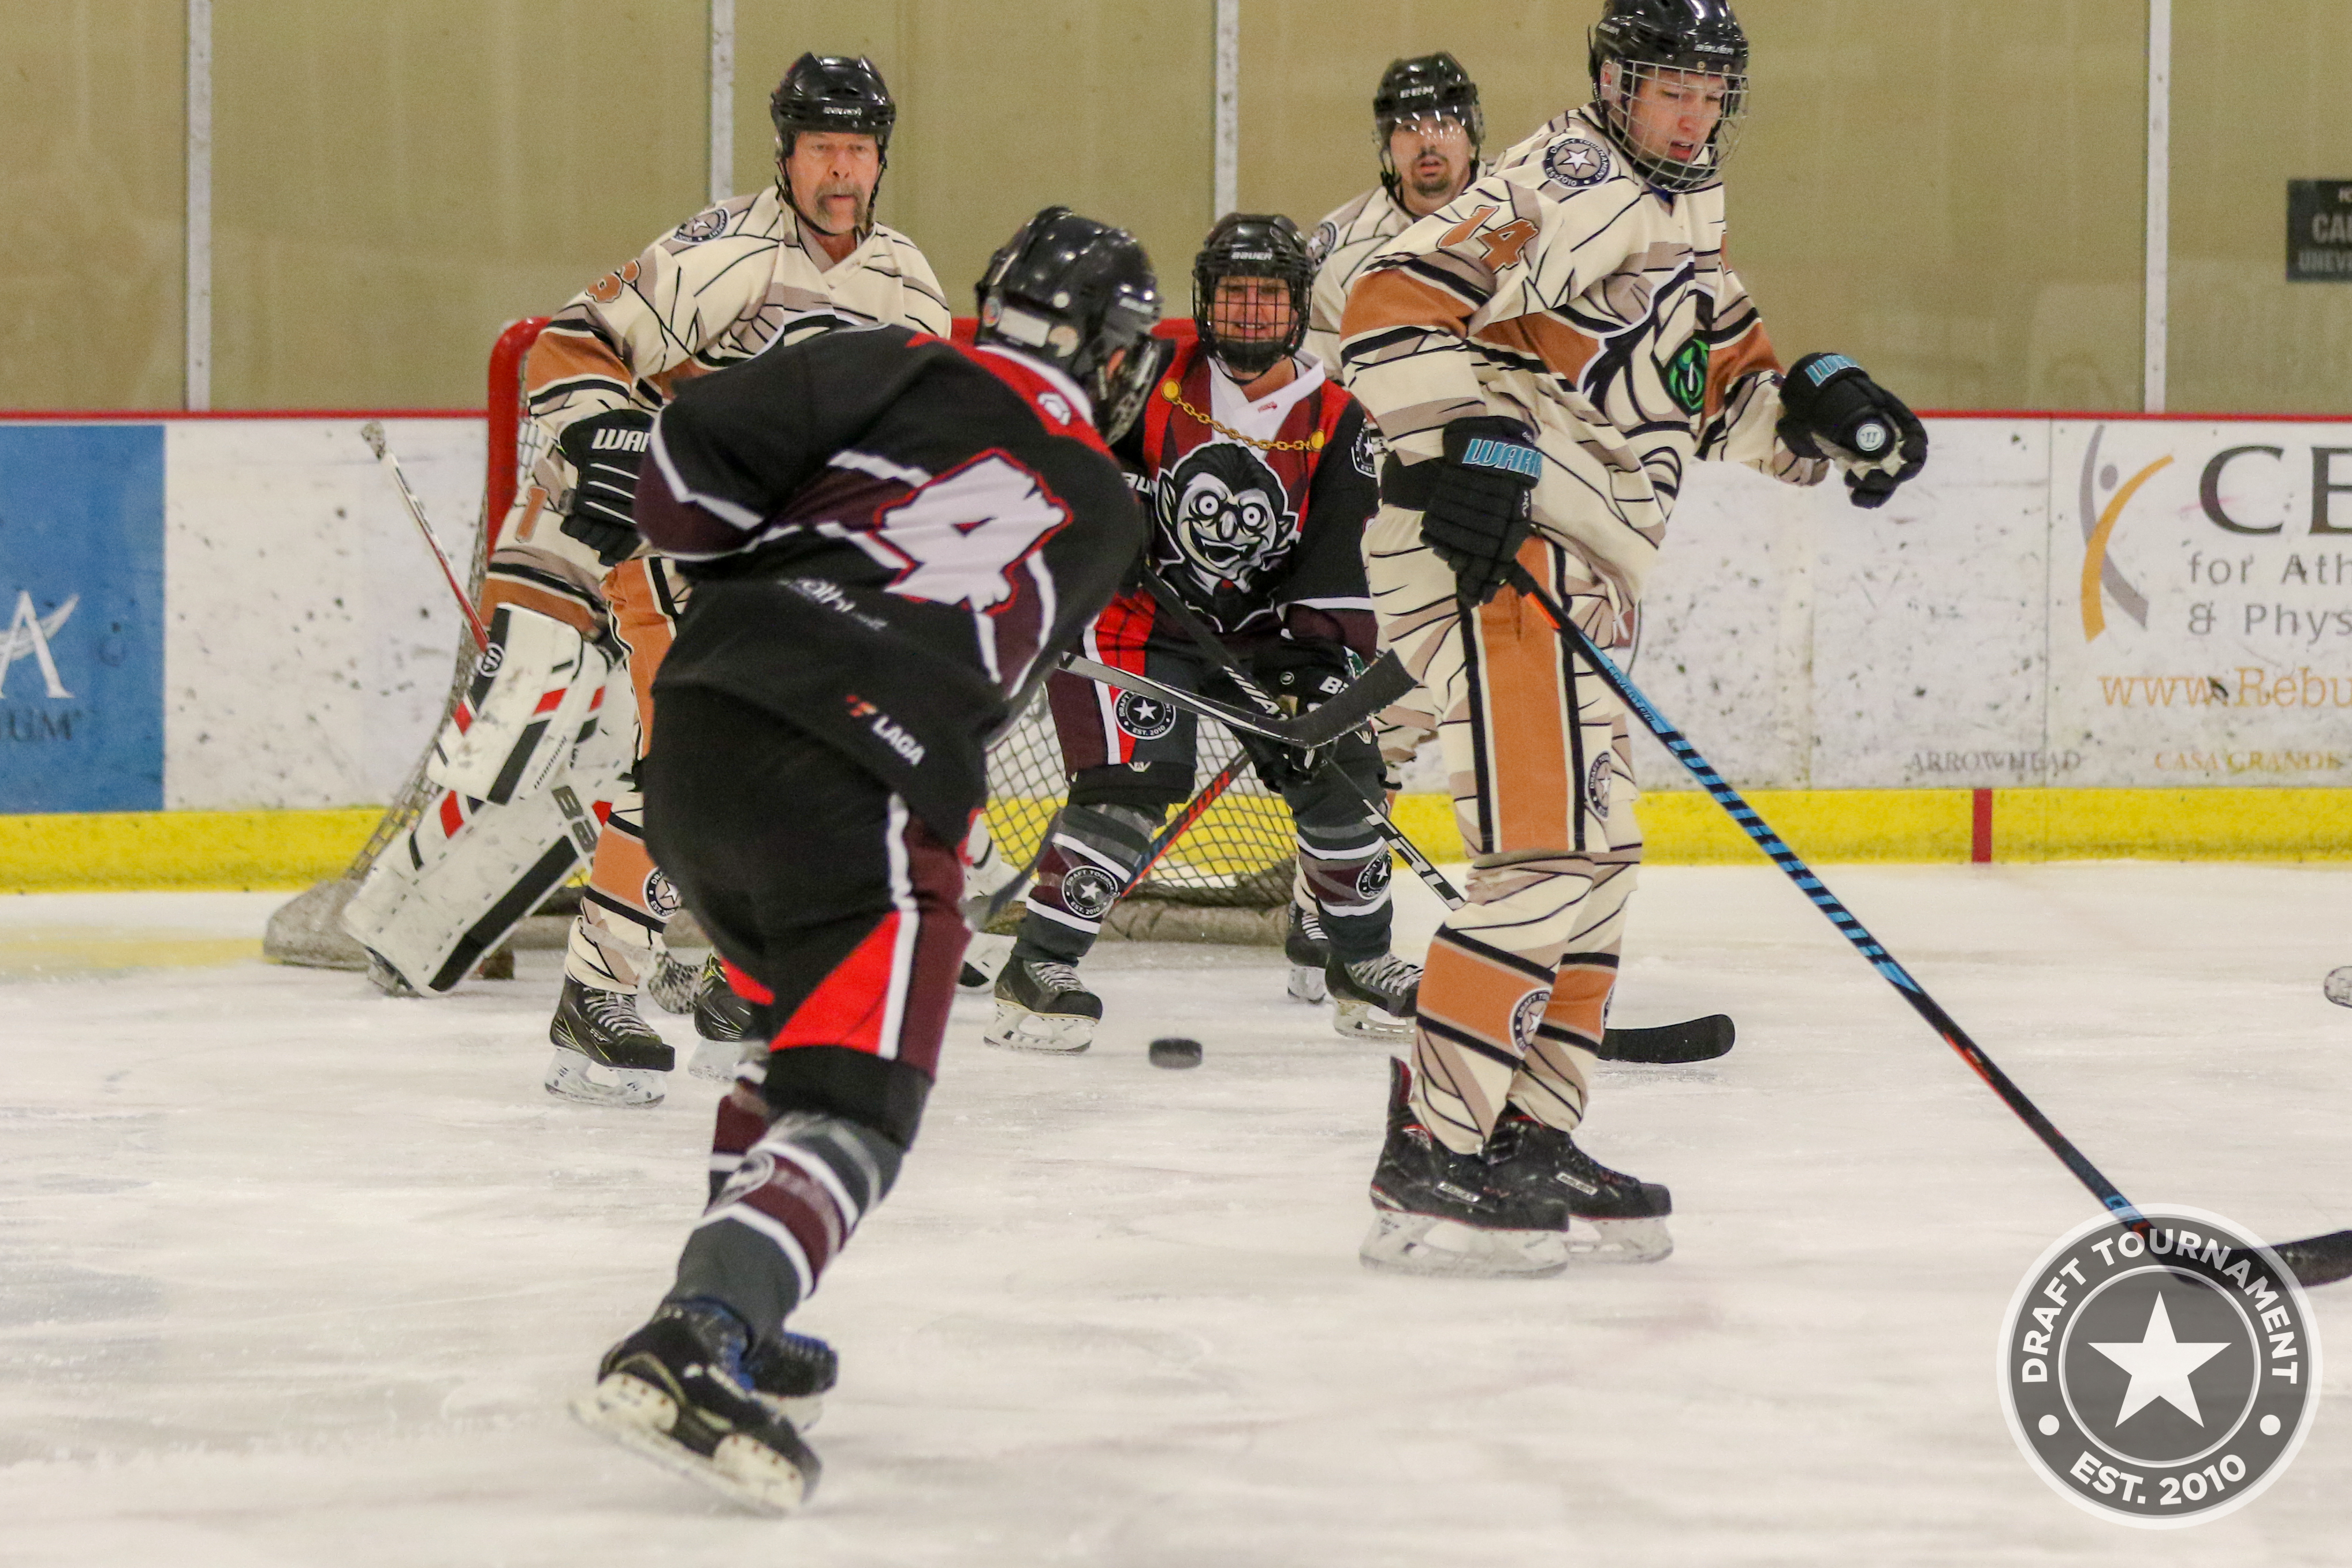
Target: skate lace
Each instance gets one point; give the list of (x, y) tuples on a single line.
[(1054, 976), (612, 1010), (1386, 973), (1311, 924)]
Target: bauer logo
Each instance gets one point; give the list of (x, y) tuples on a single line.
[(81, 618), (2161, 1376)]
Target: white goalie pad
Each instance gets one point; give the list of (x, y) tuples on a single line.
[(458, 881), (534, 689)]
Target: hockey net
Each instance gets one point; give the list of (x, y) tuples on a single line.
[(1238, 855)]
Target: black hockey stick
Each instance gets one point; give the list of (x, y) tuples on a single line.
[(1375, 689), (1375, 811), (2316, 1260)]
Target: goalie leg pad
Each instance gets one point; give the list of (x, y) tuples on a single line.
[(536, 689), (456, 883)]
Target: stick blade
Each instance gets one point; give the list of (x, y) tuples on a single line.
[(2318, 1260), (372, 434), (1383, 683)]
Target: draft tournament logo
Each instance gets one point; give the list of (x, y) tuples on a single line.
[(2161, 1377)]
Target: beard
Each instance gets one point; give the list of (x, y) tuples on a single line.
[(862, 211), (1432, 187)]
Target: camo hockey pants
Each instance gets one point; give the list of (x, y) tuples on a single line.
[(1517, 980)]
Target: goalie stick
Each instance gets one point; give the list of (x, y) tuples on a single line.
[(2316, 1260), (372, 434)]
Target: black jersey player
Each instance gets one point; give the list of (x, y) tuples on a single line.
[(1256, 472), (892, 539)]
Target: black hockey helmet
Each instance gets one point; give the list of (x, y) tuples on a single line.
[(1428, 85), (835, 93), (1645, 38), (1072, 292), (1251, 245)]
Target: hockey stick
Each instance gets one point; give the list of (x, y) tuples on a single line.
[(1375, 811), (2316, 1260), (372, 434), (1161, 842), (1381, 684)]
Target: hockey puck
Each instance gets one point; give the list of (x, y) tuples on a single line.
[(1175, 1051)]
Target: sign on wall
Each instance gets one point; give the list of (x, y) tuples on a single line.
[(82, 602), (2319, 231)]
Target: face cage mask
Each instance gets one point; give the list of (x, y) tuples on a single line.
[(1665, 173), (1246, 359)]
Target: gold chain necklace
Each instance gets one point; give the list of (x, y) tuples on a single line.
[(1170, 389)]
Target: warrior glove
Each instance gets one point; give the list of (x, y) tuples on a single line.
[(604, 451), (1831, 408), (1476, 518)]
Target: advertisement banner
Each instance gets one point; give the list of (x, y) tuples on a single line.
[(2200, 603), (82, 617)]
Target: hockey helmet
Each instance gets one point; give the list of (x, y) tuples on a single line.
[(831, 93), (1251, 245), (1428, 85), (1644, 40), (1072, 292)]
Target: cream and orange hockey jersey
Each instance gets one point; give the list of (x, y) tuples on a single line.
[(714, 291), (1341, 244), (1563, 291)]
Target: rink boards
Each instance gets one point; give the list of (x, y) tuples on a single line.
[(2072, 636)]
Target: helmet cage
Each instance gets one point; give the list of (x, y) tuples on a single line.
[(1619, 82), (1245, 245)]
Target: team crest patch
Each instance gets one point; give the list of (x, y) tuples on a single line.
[(1320, 246), (1144, 717), (748, 1177), (1528, 1016), (1088, 890), (1686, 376), (661, 893), (703, 226), (1596, 786), (1373, 882), (1366, 453), (1574, 160)]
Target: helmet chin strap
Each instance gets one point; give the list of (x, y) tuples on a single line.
[(872, 197)]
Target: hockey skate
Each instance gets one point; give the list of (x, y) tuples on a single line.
[(1372, 999), (604, 1052), (1309, 953), (1041, 1005), (723, 1020), (983, 960), (1611, 1217), (1437, 1212), (679, 1391)]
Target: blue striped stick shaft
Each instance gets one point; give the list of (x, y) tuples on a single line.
[(1812, 887)]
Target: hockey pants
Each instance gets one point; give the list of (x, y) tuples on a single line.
[(1517, 986), (835, 909)]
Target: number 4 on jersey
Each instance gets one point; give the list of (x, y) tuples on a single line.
[(957, 539)]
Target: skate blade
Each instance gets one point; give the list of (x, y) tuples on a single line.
[(1594, 1241), (983, 960), (1426, 1244), (572, 1076), (1018, 1029), (1362, 1021), (804, 1411), (716, 1060), (640, 1417), (2338, 987), (1306, 984)]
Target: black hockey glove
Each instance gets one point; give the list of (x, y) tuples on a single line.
[(1312, 671), (1278, 767), (604, 451), (1476, 518), (1828, 401)]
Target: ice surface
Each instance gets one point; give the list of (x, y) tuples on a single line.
[(290, 1273)]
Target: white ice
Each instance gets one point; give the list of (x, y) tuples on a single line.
[(293, 1274)]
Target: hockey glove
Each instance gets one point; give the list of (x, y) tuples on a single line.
[(1829, 402), (1311, 672), (1476, 518), (605, 450)]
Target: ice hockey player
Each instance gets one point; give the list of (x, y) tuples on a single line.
[(892, 539), (1426, 115), (570, 589), (1257, 473), (1545, 356)]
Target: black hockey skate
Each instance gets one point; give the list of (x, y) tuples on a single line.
[(1041, 1005), (1694, 1039), (1611, 1217), (722, 1020), (1372, 999), (679, 1391), (605, 1053), (1437, 1212), (1309, 952), (791, 1374)]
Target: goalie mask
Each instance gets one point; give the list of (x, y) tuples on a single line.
[(1073, 293), (1250, 287), (1670, 85), (835, 94)]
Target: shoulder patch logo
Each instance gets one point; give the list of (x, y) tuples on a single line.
[(703, 225), (1574, 160), (1366, 453), (1326, 236)]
